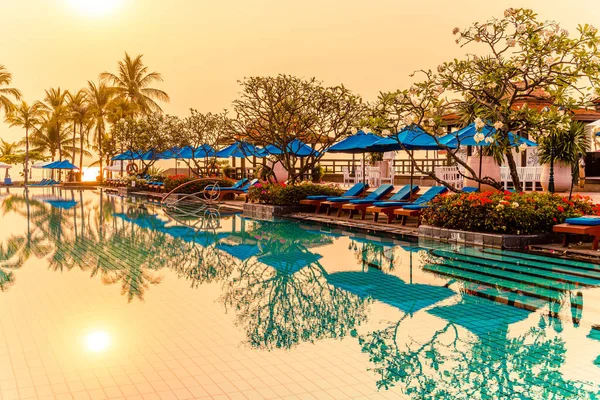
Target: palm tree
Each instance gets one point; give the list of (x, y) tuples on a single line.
[(55, 103), (132, 82), (77, 109), (8, 149), (100, 97), (27, 117), (7, 92), (47, 137)]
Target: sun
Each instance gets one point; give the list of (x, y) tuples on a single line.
[(95, 8), (97, 341)]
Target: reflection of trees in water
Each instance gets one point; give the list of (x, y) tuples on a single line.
[(282, 298), (452, 365), (280, 310), (10, 259), (89, 238)]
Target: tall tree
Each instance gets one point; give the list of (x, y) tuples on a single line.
[(27, 117), (78, 110), (6, 93), (132, 82), (8, 148), (55, 103), (100, 98)]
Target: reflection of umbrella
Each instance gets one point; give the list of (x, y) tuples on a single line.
[(239, 251), (240, 150), (356, 144), (595, 333), (390, 289), (295, 147), (480, 316), (289, 262), (64, 204)]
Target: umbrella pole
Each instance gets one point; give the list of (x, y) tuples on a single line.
[(480, 162), (363, 168), (412, 170)]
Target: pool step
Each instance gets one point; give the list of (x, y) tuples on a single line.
[(579, 265), (531, 272)]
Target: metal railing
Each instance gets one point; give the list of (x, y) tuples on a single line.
[(401, 167)]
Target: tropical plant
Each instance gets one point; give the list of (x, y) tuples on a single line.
[(80, 114), (510, 213), (132, 82), (27, 117), (7, 148), (46, 138), (280, 194), (6, 93), (55, 103), (569, 144)]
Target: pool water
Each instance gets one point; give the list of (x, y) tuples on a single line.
[(110, 297)]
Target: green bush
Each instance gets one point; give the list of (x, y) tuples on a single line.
[(280, 194), (510, 213), (172, 182)]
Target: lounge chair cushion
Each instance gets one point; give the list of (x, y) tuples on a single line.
[(470, 189), (404, 193), (391, 203), (416, 206), (381, 191), (361, 201), (321, 197), (586, 220), (339, 199), (355, 190)]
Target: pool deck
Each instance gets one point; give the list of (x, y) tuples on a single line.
[(364, 225), (581, 252)]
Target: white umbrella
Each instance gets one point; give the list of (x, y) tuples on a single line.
[(41, 164), (6, 167)]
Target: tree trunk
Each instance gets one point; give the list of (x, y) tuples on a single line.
[(100, 138), (74, 133), (512, 166), (81, 150), (26, 154)]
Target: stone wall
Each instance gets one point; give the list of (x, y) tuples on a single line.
[(267, 212), (509, 242)]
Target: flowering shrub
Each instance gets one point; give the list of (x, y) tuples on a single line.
[(280, 194), (171, 182), (511, 213)]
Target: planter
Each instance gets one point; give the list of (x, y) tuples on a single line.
[(489, 168), (562, 176)]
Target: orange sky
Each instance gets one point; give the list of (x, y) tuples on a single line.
[(203, 47)]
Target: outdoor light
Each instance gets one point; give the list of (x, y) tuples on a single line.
[(97, 341)]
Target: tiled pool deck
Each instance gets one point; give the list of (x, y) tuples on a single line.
[(107, 299)]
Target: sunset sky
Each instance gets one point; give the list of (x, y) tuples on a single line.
[(203, 47)]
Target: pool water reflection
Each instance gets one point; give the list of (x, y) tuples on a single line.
[(106, 297)]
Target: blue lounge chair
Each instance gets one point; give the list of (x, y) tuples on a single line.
[(376, 195), (235, 191), (389, 208), (361, 205), (470, 189), (236, 185), (351, 193)]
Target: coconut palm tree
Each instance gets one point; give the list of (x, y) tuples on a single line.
[(55, 103), (47, 138), (7, 148), (132, 82), (78, 110), (6, 92), (100, 97), (28, 117)]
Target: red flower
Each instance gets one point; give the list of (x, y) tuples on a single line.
[(560, 209), (554, 219)]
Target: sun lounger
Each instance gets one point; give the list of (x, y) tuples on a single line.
[(362, 205), (469, 189), (223, 192), (589, 225), (353, 193), (339, 202), (236, 185), (389, 208)]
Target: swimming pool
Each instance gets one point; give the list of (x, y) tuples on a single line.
[(110, 297)]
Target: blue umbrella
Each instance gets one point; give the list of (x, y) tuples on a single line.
[(466, 137), (64, 204), (411, 137), (356, 143), (296, 147), (239, 251), (240, 149), (127, 155), (66, 164)]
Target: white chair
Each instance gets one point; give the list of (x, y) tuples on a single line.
[(347, 178), (373, 176), (450, 175), (390, 174), (505, 177)]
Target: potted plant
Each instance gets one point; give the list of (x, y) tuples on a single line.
[(568, 145), (317, 173)]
